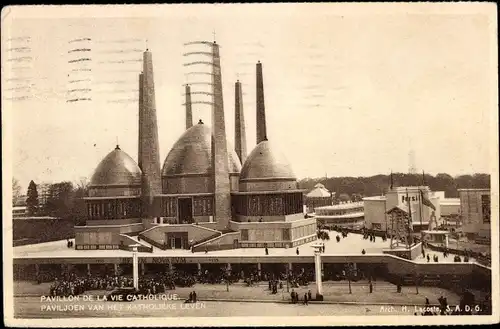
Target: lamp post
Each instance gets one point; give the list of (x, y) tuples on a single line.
[(317, 266), (135, 266)]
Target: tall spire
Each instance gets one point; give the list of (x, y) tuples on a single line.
[(240, 143), (189, 110), (220, 164), (149, 153), (261, 107)]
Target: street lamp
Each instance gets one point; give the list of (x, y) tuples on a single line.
[(135, 265), (317, 266)]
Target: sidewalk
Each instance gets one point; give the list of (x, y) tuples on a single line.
[(383, 294)]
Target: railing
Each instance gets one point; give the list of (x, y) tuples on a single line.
[(152, 242), (213, 236)]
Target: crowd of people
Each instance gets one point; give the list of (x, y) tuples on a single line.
[(73, 284)]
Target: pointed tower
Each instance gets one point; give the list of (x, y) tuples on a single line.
[(149, 153), (261, 107), (222, 187), (189, 110), (240, 142)]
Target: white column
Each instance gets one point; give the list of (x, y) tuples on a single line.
[(116, 269), (88, 269), (199, 268), (258, 269), (446, 240), (317, 264), (135, 268)]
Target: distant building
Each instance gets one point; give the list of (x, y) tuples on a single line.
[(349, 215), (450, 212), (423, 217), (318, 197), (475, 209)]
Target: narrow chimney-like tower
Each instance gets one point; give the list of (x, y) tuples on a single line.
[(141, 112), (149, 151), (261, 107), (240, 143), (189, 110), (220, 165)]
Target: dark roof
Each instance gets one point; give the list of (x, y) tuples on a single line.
[(117, 168), (266, 162), (192, 154)]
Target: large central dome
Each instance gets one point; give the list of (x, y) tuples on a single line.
[(192, 154)]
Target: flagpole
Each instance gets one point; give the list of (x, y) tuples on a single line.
[(409, 218), (420, 209)]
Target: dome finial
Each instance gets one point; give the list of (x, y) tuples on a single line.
[(117, 144)]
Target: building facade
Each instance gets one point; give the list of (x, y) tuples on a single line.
[(349, 215), (423, 217), (475, 209), (203, 198)]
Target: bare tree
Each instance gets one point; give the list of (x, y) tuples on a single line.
[(16, 190)]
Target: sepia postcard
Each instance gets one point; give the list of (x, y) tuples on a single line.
[(250, 164)]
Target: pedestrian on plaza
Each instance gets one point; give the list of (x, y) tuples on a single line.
[(363, 251), (428, 258), (292, 296), (267, 251), (194, 296), (371, 286), (305, 299), (190, 297), (297, 251)]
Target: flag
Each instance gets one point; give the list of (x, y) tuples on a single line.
[(391, 180), (423, 178), (426, 201)]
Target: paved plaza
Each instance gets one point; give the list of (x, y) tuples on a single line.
[(353, 244), (334, 292)]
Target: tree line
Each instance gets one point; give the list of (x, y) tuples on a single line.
[(65, 199), (62, 200), (356, 187)]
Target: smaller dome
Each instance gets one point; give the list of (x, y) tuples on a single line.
[(266, 163), (117, 168)]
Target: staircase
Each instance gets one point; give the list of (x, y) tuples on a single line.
[(215, 235), (152, 242)]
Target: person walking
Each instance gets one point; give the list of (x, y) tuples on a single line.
[(297, 251)]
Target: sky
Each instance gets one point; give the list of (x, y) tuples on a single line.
[(349, 90)]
